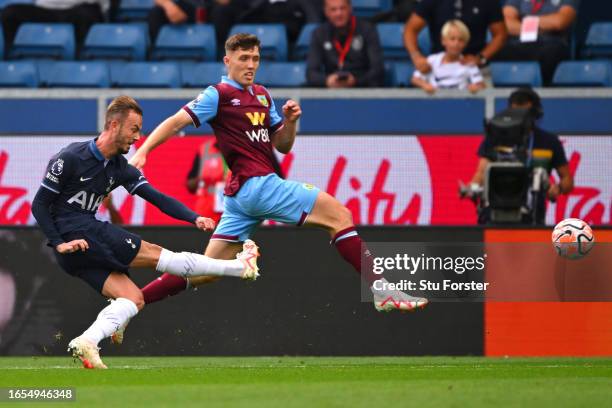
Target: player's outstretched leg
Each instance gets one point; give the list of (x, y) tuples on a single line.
[(188, 264), (328, 213), (169, 285)]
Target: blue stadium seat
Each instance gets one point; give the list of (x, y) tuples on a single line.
[(282, 74), (368, 8), (79, 74), (20, 74), (516, 74), (1, 42), (130, 10), (401, 74), (44, 40), (149, 75), (300, 50), (392, 40), (189, 41), (583, 73), (599, 41), (116, 41), (201, 75), (4, 3), (273, 39)]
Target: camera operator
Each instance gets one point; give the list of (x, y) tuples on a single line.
[(544, 150)]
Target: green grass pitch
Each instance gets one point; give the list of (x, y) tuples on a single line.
[(320, 381)]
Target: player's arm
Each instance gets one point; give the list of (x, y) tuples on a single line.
[(284, 137), (46, 195), (196, 112), (172, 207), (169, 127), (478, 177)]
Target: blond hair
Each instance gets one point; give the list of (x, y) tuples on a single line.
[(120, 107), (464, 31)]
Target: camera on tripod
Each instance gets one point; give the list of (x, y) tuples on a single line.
[(511, 187)]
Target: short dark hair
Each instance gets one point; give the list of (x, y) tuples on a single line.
[(121, 106), (242, 41), (523, 96)]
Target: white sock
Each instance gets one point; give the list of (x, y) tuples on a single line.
[(187, 264), (110, 319)]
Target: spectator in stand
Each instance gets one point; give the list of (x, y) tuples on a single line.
[(171, 12), (398, 14), (223, 14), (539, 31), (81, 13), (479, 16), (447, 71), (345, 51)]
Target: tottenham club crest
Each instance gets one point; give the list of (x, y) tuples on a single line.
[(263, 100), (110, 184), (58, 167)]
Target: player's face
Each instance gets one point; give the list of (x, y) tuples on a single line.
[(242, 65), (338, 12), (128, 132), (454, 43)]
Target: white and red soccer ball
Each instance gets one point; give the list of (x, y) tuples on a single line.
[(573, 238)]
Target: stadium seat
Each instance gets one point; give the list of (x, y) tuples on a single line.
[(282, 74), (116, 41), (19, 74), (516, 74), (44, 40), (130, 10), (79, 74), (300, 50), (149, 75), (392, 40), (582, 73), (401, 74), (598, 43), (4, 3), (201, 75), (189, 41), (1, 42), (368, 8), (273, 39)]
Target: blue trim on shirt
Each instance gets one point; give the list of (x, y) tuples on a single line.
[(204, 108), (95, 151), (227, 80)]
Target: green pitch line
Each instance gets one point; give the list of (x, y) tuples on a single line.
[(320, 382)]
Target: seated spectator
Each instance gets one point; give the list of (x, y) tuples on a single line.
[(398, 14), (479, 16), (170, 12), (81, 13), (549, 43), (447, 69), (223, 14), (345, 51)]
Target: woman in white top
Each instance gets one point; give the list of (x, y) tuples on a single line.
[(447, 68)]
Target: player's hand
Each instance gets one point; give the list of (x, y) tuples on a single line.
[(138, 160), (292, 111), (421, 64), (205, 224), (72, 246)]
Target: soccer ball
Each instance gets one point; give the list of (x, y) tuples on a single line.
[(573, 238)]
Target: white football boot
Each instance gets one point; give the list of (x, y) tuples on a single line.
[(248, 256), (87, 352)]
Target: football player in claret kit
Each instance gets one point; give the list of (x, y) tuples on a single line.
[(248, 129), (76, 181)]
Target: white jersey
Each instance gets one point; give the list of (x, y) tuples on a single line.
[(450, 75)]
